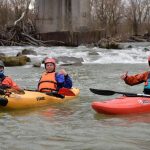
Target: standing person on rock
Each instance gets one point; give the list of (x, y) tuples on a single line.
[(52, 81), (139, 78)]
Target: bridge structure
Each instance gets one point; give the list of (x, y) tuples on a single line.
[(62, 15), (65, 22)]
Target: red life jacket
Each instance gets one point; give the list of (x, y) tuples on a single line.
[(47, 82), (7, 82)]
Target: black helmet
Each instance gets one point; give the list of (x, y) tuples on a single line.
[(2, 64)]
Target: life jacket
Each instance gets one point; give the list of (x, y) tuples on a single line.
[(147, 85), (47, 82), (2, 85)]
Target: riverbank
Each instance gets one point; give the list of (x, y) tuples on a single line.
[(16, 36)]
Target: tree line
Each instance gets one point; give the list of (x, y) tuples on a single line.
[(12, 10), (121, 17), (114, 17)]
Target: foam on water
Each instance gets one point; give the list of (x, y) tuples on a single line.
[(136, 54)]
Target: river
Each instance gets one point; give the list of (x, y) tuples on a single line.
[(74, 125)]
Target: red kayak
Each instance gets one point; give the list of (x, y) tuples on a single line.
[(123, 105)]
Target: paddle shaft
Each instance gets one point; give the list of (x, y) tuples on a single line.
[(62, 91), (109, 92), (54, 93)]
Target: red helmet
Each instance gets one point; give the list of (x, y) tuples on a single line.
[(50, 60)]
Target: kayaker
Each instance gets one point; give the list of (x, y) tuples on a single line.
[(50, 80), (139, 78), (6, 82)]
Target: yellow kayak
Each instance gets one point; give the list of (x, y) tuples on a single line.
[(33, 99)]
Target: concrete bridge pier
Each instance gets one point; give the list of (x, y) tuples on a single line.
[(64, 20)]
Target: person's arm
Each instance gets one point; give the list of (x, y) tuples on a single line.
[(135, 79), (9, 82), (63, 80), (68, 82)]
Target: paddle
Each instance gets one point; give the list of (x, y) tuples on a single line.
[(53, 93), (2, 92), (66, 92), (62, 91), (109, 92)]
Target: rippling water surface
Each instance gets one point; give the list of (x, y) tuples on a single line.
[(74, 125)]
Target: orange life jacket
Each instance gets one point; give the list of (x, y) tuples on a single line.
[(47, 82)]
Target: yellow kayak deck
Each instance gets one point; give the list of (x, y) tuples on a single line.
[(33, 99)]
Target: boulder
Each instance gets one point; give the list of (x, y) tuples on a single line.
[(93, 53), (72, 64), (146, 49), (14, 61), (27, 52), (129, 46), (70, 60), (67, 61), (108, 44), (2, 54), (37, 64)]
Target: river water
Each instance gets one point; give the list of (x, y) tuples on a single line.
[(74, 125)]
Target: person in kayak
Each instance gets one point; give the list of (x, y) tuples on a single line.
[(52, 81), (139, 78), (6, 82)]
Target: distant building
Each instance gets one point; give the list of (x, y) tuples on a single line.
[(62, 15)]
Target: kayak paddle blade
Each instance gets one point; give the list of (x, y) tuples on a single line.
[(102, 92), (109, 92), (66, 92)]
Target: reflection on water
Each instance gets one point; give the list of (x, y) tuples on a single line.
[(123, 120), (53, 112)]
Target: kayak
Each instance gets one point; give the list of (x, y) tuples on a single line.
[(123, 105), (32, 99)]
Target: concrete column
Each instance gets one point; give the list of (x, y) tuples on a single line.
[(62, 15), (75, 14), (84, 13), (80, 14), (47, 17), (63, 26)]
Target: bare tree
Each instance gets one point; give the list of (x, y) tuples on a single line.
[(147, 16), (108, 14), (20, 6), (137, 14), (115, 15), (24, 17), (5, 13)]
